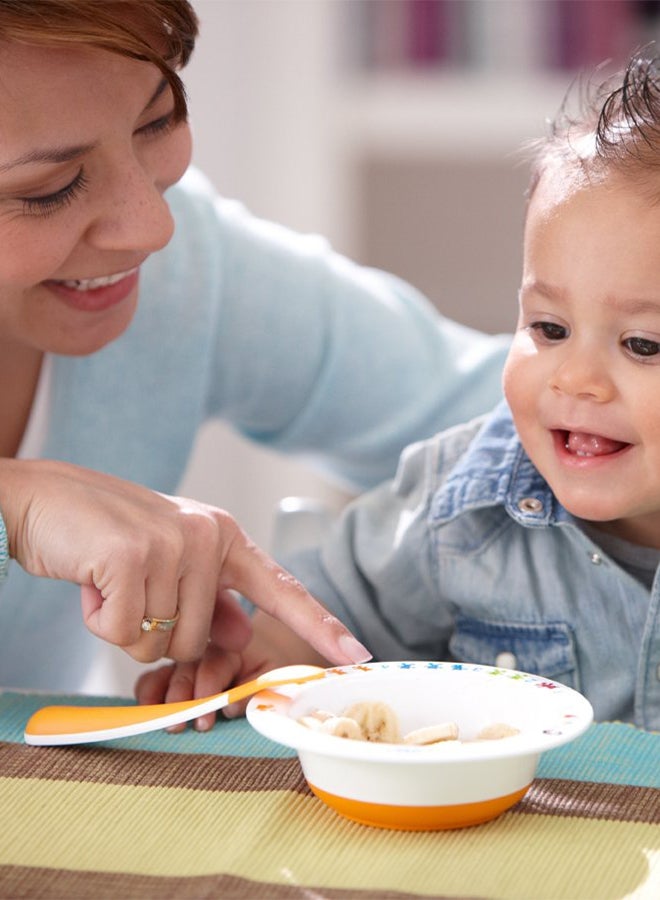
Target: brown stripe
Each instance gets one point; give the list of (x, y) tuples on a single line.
[(24, 883), (592, 800), (201, 772), (208, 772)]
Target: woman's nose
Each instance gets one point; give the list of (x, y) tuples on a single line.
[(583, 377), (135, 216)]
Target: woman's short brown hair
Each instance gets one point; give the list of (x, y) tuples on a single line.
[(161, 32)]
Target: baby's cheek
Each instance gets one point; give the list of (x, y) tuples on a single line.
[(520, 370), (511, 378)]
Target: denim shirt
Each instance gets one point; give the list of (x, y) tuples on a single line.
[(467, 555)]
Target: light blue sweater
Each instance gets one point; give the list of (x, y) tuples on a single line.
[(294, 345)]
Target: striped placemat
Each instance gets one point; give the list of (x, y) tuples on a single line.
[(227, 814)]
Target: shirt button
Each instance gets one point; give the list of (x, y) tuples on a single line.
[(506, 660), (596, 558), (530, 505)]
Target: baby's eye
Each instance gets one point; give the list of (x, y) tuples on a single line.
[(549, 331), (640, 346)]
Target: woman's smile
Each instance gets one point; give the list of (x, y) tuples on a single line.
[(91, 284), (95, 294)]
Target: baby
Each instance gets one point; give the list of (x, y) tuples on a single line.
[(530, 538)]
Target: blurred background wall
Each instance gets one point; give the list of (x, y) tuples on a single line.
[(393, 128)]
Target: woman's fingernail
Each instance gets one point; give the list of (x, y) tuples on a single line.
[(355, 651)]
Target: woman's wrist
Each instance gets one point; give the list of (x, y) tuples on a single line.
[(4, 549), (14, 478)]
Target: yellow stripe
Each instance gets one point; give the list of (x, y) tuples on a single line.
[(179, 832)]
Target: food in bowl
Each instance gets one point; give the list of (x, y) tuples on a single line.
[(411, 786), (373, 720)]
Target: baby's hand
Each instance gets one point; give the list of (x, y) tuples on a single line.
[(272, 645), (216, 671)]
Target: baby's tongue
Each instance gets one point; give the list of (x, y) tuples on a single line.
[(584, 444)]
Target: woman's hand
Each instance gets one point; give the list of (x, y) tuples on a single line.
[(137, 553), (224, 664)]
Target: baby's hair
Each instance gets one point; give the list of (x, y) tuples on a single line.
[(161, 32), (616, 124)]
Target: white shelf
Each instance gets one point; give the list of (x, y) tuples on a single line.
[(459, 112)]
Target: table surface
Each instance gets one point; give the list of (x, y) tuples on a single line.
[(228, 814)]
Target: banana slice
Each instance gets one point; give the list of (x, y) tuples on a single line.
[(497, 731), (377, 721), (432, 734), (343, 727)]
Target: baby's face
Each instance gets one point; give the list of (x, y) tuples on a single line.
[(583, 374)]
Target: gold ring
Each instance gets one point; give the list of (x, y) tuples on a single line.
[(151, 623)]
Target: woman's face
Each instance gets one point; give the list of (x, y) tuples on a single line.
[(87, 148)]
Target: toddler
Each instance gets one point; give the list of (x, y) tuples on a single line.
[(530, 538)]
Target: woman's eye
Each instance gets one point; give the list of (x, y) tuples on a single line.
[(549, 331), (48, 204), (642, 346), (159, 125)]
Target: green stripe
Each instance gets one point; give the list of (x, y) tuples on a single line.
[(287, 838)]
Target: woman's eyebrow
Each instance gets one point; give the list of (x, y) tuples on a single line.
[(66, 154), (48, 155), (162, 84)]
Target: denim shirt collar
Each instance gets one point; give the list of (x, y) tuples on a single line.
[(496, 471)]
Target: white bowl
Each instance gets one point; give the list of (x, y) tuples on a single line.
[(447, 785)]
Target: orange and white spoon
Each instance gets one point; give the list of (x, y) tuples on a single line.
[(55, 725)]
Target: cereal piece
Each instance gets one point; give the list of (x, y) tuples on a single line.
[(315, 718), (377, 721), (497, 731), (322, 714), (311, 722), (432, 734), (343, 727)]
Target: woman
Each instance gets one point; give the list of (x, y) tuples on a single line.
[(134, 305)]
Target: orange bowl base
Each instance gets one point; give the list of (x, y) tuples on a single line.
[(419, 818)]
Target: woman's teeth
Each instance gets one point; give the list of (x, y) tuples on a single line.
[(90, 284)]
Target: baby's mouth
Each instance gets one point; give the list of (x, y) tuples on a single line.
[(580, 443)]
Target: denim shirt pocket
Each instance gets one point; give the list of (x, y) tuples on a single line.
[(545, 649)]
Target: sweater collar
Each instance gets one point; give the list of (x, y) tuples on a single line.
[(496, 471)]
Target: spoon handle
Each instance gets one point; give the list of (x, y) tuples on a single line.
[(57, 725)]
